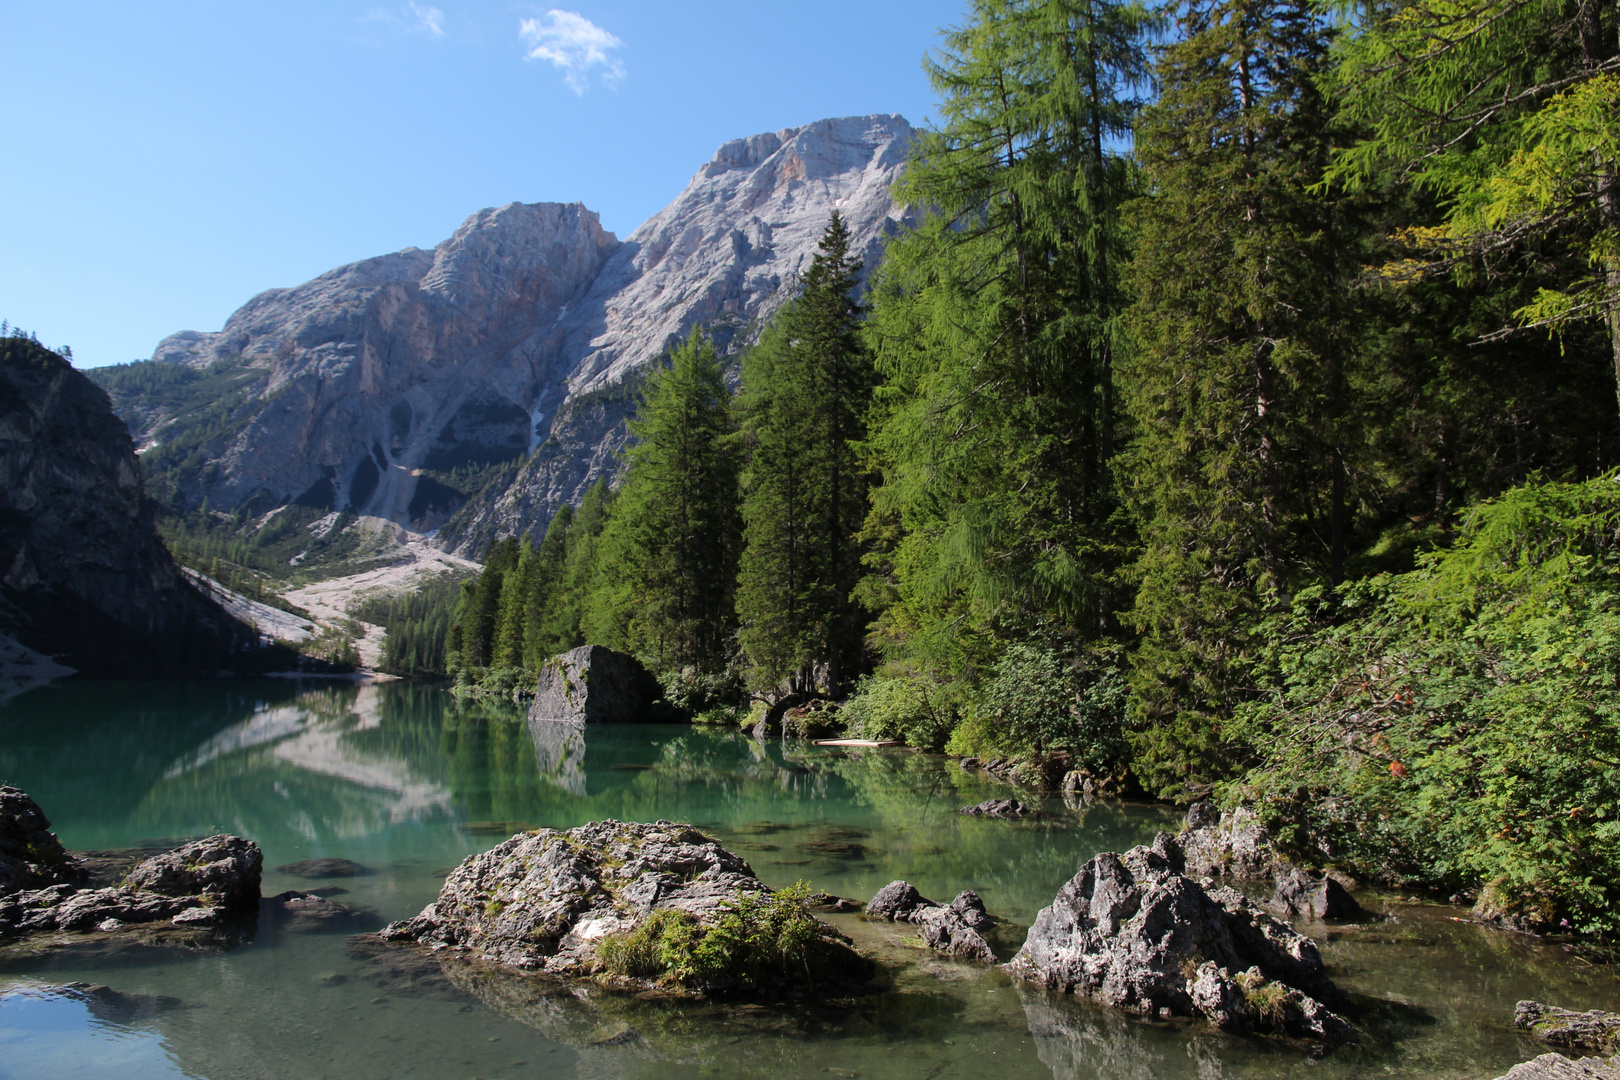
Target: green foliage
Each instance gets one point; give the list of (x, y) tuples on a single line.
[(995, 328), (1045, 702), (667, 561), (1465, 716), (755, 942), (417, 626), (913, 710), (805, 391)]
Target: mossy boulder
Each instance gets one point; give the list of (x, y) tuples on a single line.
[(636, 907)]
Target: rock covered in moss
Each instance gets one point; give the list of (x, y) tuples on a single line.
[(1132, 932), (1559, 1067), (956, 929), (226, 869), (548, 900), (31, 857), (1594, 1030)]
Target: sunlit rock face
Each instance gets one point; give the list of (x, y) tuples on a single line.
[(514, 337)]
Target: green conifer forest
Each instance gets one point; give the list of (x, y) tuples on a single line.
[(1239, 422)]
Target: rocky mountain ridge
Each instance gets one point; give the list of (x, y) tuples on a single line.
[(475, 388)]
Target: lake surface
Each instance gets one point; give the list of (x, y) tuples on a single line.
[(406, 780)]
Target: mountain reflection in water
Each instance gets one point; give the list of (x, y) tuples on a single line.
[(406, 780)]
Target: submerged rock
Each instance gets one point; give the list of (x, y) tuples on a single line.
[(1132, 932), (593, 685), (546, 901), (31, 857), (998, 808), (115, 1006), (1299, 894), (316, 869), (307, 913), (1594, 1030), (956, 929)]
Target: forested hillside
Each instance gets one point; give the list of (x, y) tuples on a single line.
[(1241, 418)]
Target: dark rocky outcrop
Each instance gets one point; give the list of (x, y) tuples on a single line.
[(956, 929), (31, 857), (998, 808), (1132, 932), (592, 685), (201, 885), (1298, 894), (84, 577), (1595, 1030), (545, 901)]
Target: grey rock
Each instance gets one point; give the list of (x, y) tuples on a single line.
[(1559, 1067), (31, 857), (1594, 1030), (1298, 894), (998, 808), (956, 929), (592, 685), (84, 576), (306, 913), (1236, 845), (1131, 932), (543, 901), (225, 869), (517, 336)]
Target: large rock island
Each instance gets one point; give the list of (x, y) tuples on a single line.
[(637, 906)]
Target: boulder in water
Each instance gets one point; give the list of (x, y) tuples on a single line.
[(630, 902), (956, 929), (998, 808), (593, 685), (1593, 1030), (1132, 932), (31, 857), (1299, 894)]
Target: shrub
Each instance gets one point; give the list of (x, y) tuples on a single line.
[(1042, 701), (756, 941), (913, 710), (1458, 726)]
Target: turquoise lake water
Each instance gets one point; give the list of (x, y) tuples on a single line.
[(405, 780)]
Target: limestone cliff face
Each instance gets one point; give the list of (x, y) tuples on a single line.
[(725, 256), (365, 389), (83, 574)]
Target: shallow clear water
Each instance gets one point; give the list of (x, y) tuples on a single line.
[(406, 781)]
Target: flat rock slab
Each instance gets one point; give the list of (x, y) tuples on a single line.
[(593, 685), (1594, 1030), (1559, 1067)]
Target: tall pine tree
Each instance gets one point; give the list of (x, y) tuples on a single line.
[(805, 391), (667, 565), (1238, 385)]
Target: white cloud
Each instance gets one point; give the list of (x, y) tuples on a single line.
[(430, 19), (574, 45)]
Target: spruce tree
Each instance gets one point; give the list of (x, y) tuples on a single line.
[(996, 329), (1238, 385), (805, 391), (667, 567)]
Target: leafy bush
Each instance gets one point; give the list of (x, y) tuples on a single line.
[(1458, 726), (756, 941), (915, 711), (1042, 701)]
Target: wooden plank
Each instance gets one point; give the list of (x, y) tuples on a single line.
[(857, 742)]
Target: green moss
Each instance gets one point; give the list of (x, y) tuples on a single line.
[(756, 941)]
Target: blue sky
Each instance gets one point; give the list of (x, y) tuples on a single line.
[(169, 160)]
